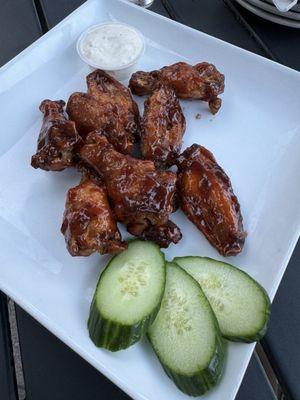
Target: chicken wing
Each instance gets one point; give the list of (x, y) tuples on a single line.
[(88, 223), (56, 140), (208, 200), (142, 197), (87, 113), (163, 127), (202, 81), (108, 106), (163, 235)]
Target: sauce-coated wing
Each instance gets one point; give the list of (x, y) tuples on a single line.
[(208, 200), (88, 223), (87, 113), (141, 196), (202, 81), (107, 89), (163, 235), (56, 140), (163, 127), (108, 106)]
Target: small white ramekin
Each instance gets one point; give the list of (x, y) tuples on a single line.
[(123, 71)]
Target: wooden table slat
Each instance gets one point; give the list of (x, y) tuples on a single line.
[(54, 372), (215, 18), (56, 10), (284, 41), (159, 8), (8, 385), (255, 385), (282, 342), (19, 27)]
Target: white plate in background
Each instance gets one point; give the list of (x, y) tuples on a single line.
[(269, 16), (272, 9), (255, 138), (295, 8), (285, 5)]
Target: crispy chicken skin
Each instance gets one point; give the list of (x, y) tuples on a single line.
[(142, 197), (208, 200), (163, 235), (163, 127), (88, 113), (56, 140), (107, 90), (202, 81), (108, 106), (88, 223)]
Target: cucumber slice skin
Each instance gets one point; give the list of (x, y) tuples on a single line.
[(198, 384), (204, 380), (246, 338), (112, 335)]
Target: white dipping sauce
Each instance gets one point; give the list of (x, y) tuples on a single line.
[(111, 45)]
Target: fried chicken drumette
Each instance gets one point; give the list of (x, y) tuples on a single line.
[(108, 106), (163, 127), (88, 223), (142, 197), (208, 200), (56, 140), (202, 81)]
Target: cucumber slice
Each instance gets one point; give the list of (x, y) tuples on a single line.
[(185, 335), (241, 305), (128, 296)]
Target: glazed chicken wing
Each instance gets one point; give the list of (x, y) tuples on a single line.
[(88, 113), (56, 140), (163, 235), (208, 200), (108, 106), (88, 223), (163, 127), (142, 197), (202, 81)]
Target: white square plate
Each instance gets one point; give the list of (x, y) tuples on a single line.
[(255, 137)]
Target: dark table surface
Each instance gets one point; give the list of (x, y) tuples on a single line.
[(52, 370)]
